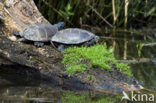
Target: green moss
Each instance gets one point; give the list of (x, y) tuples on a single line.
[(124, 68), (79, 59), (76, 68)]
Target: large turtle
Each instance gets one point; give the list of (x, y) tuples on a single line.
[(39, 32), (72, 36)]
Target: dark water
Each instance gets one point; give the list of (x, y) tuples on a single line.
[(125, 48)]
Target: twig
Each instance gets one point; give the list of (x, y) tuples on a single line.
[(149, 44), (100, 16), (113, 38), (106, 17), (135, 61)]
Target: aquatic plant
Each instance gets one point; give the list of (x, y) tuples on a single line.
[(98, 12), (139, 48), (80, 59), (69, 97), (67, 12)]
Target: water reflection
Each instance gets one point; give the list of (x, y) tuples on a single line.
[(30, 95), (52, 95), (143, 65)]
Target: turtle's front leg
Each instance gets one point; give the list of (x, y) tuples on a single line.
[(61, 48), (91, 42), (38, 44), (22, 40)]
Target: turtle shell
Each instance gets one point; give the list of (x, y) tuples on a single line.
[(39, 32), (72, 36)]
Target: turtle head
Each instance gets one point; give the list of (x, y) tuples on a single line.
[(60, 25), (96, 38)]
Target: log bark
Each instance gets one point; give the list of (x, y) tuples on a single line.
[(45, 62), (18, 14)]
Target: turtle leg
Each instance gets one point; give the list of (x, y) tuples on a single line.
[(38, 44), (15, 32), (22, 40), (61, 48), (53, 44), (91, 42)]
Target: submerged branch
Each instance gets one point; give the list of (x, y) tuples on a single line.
[(136, 61)]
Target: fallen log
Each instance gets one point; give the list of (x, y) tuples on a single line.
[(18, 14), (47, 61)]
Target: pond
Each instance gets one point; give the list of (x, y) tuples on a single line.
[(138, 51)]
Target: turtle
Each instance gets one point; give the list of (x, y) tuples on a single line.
[(73, 36), (39, 32)]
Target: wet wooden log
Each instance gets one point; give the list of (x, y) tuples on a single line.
[(45, 62), (4, 61)]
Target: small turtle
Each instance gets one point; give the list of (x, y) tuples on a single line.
[(39, 32), (72, 36)]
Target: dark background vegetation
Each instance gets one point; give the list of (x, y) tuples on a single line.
[(78, 13)]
